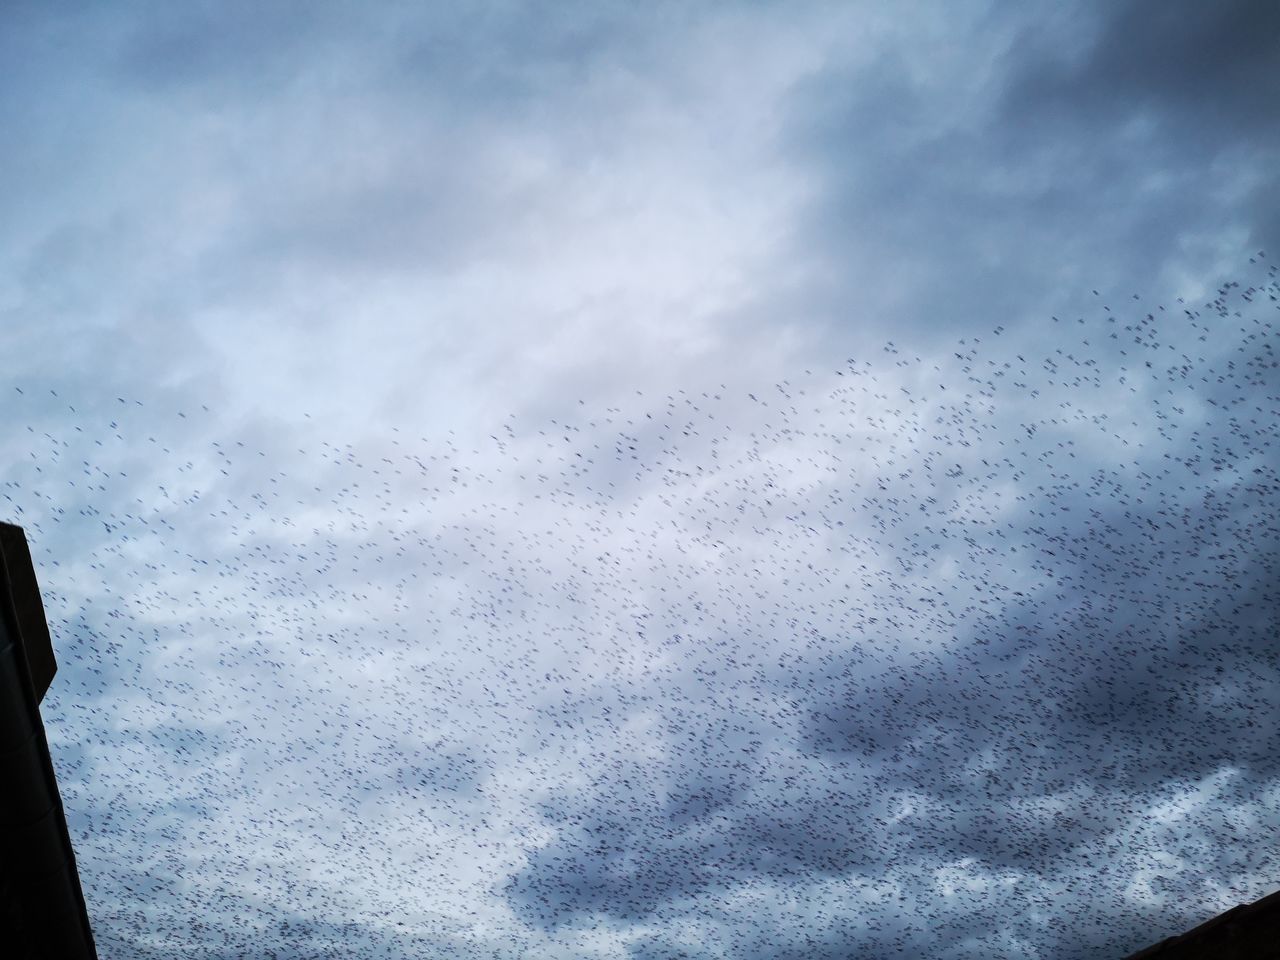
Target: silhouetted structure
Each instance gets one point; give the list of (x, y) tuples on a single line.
[(1248, 932), (42, 912)]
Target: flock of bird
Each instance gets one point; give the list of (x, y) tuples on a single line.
[(966, 653)]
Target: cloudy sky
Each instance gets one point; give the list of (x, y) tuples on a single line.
[(641, 481)]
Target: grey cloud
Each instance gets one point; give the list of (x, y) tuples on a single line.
[(1047, 171), (198, 46), (1205, 70), (246, 927)]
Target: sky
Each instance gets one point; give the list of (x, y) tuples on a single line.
[(708, 480)]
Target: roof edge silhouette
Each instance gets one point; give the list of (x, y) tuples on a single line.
[(42, 908), (1250, 931)]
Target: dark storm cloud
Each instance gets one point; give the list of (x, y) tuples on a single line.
[(1099, 147), (636, 841), (1199, 81), (1205, 72)]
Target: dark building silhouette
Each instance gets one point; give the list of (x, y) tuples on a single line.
[(42, 912), (1248, 932)]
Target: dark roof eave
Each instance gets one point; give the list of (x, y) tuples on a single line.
[(48, 917)]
